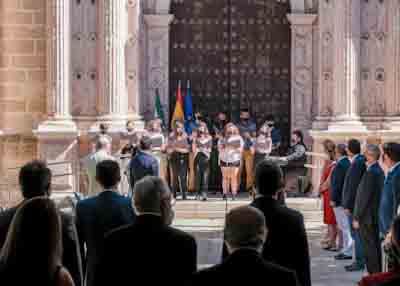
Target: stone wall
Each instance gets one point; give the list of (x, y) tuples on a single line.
[(22, 82)]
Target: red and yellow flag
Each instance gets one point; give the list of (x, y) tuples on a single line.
[(178, 113)]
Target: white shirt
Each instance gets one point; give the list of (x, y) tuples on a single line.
[(231, 155)]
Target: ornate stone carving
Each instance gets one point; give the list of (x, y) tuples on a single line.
[(157, 59), (302, 69)]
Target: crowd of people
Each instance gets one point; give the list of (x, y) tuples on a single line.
[(110, 238), (201, 156), (361, 196)]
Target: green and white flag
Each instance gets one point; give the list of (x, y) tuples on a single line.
[(158, 110)]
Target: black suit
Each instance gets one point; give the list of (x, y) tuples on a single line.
[(353, 178), (366, 212), (71, 255), (338, 179), (148, 253), (94, 218), (286, 243), (244, 267)]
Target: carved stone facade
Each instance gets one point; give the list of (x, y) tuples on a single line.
[(101, 61)]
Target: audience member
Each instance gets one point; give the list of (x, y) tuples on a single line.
[(286, 243), (366, 209), (100, 214), (351, 183), (245, 234), (103, 152), (392, 249), (144, 163), (35, 181), (148, 251), (391, 191), (337, 183), (329, 243), (32, 252)]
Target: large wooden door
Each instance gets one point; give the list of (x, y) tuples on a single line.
[(236, 53)]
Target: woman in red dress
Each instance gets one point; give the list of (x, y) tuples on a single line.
[(329, 243)]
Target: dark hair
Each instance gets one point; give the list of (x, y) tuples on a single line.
[(268, 178), (35, 179), (269, 118), (299, 134), (354, 146), (341, 149), (145, 143), (103, 128), (33, 244), (108, 173), (392, 150)]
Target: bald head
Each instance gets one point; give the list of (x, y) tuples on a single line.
[(245, 228), (152, 195)]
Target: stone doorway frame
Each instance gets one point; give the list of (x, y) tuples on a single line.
[(157, 19)]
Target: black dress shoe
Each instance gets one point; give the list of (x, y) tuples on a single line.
[(224, 197), (342, 256), (354, 267)]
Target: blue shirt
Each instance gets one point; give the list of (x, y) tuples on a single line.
[(276, 136), (250, 128), (387, 204)]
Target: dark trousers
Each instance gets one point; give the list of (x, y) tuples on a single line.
[(372, 247), (179, 166), (202, 171), (258, 158)]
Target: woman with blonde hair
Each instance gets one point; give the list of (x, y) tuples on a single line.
[(31, 254), (230, 150), (329, 243)]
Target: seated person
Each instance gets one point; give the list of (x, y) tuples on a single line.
[(245, 234)]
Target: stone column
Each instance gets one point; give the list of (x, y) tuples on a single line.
[(392, 83), (347, 67), (302, 70), (58, 69), (158, 59), (113, 96), (57, 136)]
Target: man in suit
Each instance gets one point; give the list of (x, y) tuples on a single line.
[(390, 198), (103, 151), (366, 210), (245, 234), (353, 178), (35, 181), (286, 244), (100, 214), (337, 183), (143, 163), (149, 251)]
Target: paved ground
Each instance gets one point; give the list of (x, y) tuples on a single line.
[(205, 221)]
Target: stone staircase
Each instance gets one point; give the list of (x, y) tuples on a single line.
[(205, 221)]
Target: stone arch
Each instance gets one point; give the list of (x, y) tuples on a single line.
[(163, 6)]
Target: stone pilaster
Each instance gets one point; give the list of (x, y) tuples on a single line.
[(58, 69), (392, 84), (57, 136), (134, 59), (347, 67), (113, 96), (158, 59), (302, 70)]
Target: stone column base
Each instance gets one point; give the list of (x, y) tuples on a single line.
[(346, 124), (58, 146), (392, 123)]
